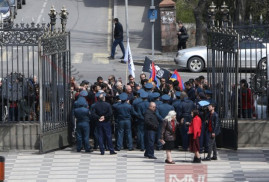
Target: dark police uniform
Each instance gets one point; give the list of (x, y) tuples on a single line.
[(184, 111), (82, 114), (102, 108), (141, 109), (124, 111)]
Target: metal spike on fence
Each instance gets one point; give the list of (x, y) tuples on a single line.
[(250, 19), (261, 19)]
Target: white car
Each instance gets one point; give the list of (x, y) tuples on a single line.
[(251, 55)]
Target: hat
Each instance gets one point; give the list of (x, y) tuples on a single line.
[(155, 95), (178, 93), (208, 92), (203, 103), (99, 93), (144, 94), (85, 81), (83, 93), (123, 96), (140, 90), (148, 86), (166, 97)]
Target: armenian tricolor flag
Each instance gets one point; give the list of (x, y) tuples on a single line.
[(177, 77), (153, 74)]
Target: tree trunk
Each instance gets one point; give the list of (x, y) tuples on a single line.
[(200, 23)]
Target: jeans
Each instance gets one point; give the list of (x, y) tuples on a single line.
[(104, 131), (211, 146), (203, 140), (140, 135), (124, 127), (82, 133), (149, 142), (114, 45)]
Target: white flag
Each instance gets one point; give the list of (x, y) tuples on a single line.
[(129, 60)]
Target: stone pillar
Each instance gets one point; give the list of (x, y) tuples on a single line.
[(169, 38)]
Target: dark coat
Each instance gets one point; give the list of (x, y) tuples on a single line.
[(183, 31), (184, 110), (141, 109), (164, 109), (118, 31), (123, 110), (167, 131), (215, 123), (151, 120), (102, 108), (81, 111)]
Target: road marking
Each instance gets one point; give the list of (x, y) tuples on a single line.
[(109, 26), (77, 58), (42, 11), (100, 58)]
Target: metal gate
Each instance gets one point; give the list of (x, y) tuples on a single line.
[(55, 105), (222, 64), (35, 68), (222, 76)]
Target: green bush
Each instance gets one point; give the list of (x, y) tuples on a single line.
[(184, 10)]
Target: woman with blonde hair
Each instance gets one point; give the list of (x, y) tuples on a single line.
[(168, 135)]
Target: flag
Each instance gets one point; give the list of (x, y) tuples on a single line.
[(153, 74), (177, 77), (160, 72), (129, 59)]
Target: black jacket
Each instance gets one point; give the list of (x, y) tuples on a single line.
[(101, 108), (215, 123), (183, 31), (151, 120), (118, 31)]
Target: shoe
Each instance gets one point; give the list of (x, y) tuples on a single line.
[(142, 150), (89, 151), (122, 57), (113, 153), (197, 160), (170, 162), (146, 156), (194, 159), (131, 149), (214, 158), (117, 149), (78, 150), (102, 153), (153, 157), (110, 57), (207, 159)]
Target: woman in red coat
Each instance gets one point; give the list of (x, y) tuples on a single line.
[(195, 132)]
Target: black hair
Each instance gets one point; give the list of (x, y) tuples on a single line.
[(116, 20), (99, 78), (195, 112)]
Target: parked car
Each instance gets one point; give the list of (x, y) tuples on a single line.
[(6, 14), (195, 58)]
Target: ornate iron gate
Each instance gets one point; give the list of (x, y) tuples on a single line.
[(222, 76), (55, 105)]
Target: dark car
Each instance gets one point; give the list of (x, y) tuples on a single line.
[(20, 3), (6, 14)]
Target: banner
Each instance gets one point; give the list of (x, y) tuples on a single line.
[(129, 59), (160, 72)]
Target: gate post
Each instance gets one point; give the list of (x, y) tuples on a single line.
[(212, 15), (63, 15), (52, 15)]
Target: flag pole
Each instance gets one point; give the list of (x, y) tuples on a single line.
[(127, 35)]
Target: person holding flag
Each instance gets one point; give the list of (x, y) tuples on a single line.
[(176, 76), (153, 75), (129, 60)]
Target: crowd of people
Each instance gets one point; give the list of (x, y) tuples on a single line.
[(157, 117)]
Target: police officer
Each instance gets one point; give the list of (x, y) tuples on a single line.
[(82, 113), (141, 109), (177, 101), (148, 89), (185, 118), (156, 98), (163, 110), (124, 111), (102, 111)]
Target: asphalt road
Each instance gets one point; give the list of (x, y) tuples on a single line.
[(90, 24)]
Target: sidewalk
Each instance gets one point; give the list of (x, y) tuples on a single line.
[(140, 31), (69, 166)]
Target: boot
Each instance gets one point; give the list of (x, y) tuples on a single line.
[(194, 159)]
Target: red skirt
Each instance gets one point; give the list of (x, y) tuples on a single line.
[(194, 144)]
